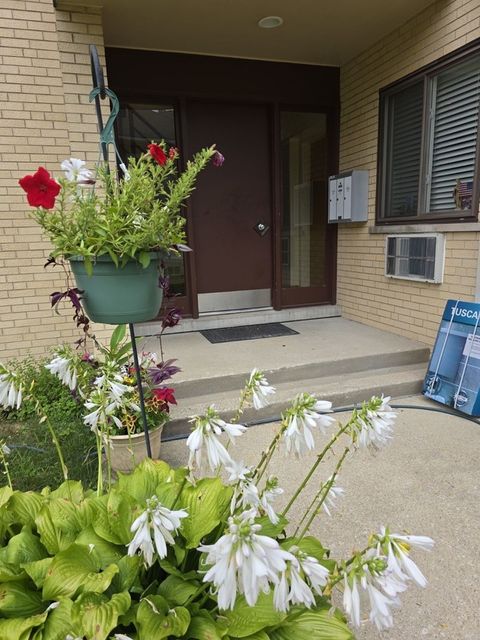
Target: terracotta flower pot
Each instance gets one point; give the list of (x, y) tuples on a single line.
[(128, 451), (119, 295)]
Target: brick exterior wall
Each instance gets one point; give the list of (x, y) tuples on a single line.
[(45, 117), (364, 293)]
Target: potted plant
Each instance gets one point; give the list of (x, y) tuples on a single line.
[(114, 231), (107, 386)]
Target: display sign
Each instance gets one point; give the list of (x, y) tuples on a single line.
[(453, 376)]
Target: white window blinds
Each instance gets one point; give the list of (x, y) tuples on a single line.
[(455, 105)]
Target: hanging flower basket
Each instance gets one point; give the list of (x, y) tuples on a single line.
[(119, 295)]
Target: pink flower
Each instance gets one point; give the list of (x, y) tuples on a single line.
[(40, 188), (157, 153), (218, 159)]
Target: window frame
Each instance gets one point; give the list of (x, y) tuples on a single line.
[(426, 74)]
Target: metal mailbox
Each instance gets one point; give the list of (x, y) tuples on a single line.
[(348, 196)]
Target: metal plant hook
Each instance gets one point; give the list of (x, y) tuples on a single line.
[(107, 136)]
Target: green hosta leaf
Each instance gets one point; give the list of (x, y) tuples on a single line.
[(24, 547), (170, 568), (25, 506), (176, 590), (156, 620), (56, 535), (128, 570), (114, 517), (71, 490), (313, 623), (309, 545), (58, 623), (203, 627), (11, 572), (206, 504), (105, 552), (245, 620), (5, 493), (76, 569), (18, 601), (142, 483), (38, 570), (20, 628), (118, 336), (260, 635), (269, 529), (94, 615)]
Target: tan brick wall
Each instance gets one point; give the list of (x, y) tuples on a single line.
[(365, 294), (45, 117)]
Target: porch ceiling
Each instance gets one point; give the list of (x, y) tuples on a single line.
[(328, 32)]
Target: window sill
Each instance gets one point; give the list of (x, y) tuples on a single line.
[(459, 227)]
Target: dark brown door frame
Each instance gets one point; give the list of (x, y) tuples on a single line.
[(304, 296)]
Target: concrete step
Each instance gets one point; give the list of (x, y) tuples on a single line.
[(397, 379)]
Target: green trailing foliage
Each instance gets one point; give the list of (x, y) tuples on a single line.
[(65, 570)]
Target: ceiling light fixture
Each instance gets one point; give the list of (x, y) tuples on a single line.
[(270, 22)]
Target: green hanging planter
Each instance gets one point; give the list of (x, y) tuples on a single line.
[(119, 295)]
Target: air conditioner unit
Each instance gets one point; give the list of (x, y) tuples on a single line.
[(418, 256)]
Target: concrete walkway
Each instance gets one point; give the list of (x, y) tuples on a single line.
[(425, 482)]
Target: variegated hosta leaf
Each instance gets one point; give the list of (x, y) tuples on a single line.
[(76, 570), (94, 615), (156, 620)]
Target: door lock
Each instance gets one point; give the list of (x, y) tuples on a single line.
[(261, 228)]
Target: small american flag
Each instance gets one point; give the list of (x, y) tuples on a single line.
[(463, 194)]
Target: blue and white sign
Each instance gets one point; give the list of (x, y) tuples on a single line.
[(453, 376)]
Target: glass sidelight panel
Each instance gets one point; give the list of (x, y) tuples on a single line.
[(137, 126), (304, 189)]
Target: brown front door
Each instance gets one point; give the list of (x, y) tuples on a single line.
[(231, 206)]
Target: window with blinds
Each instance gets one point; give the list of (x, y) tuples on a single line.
[(429, 164), (456, 96)]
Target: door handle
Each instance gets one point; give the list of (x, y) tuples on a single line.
[(261, 228)]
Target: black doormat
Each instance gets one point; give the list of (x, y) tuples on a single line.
[(250, 332)]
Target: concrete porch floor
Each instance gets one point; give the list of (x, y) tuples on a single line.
[(334, 358)]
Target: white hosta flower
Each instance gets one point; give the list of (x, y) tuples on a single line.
[(305, 576), (64, 369), (305, 414), (259, 389), (153, 529), (76, 171), (243, 561), (380, 605), (334, 492), (269, 495), (375, 424), (351, 599), (11, 389), (397, 547), (205, 437)]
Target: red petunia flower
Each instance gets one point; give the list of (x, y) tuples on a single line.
[(157, 153), (165, 395), (41, 189)]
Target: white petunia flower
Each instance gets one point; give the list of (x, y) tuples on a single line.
[(306, 414), (205, 436), (243, 561), (76, 171), (64, 370), (259, 389), (11, 389), (334, 492), (156, 521)]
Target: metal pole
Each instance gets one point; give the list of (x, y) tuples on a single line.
[(140, 389)]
